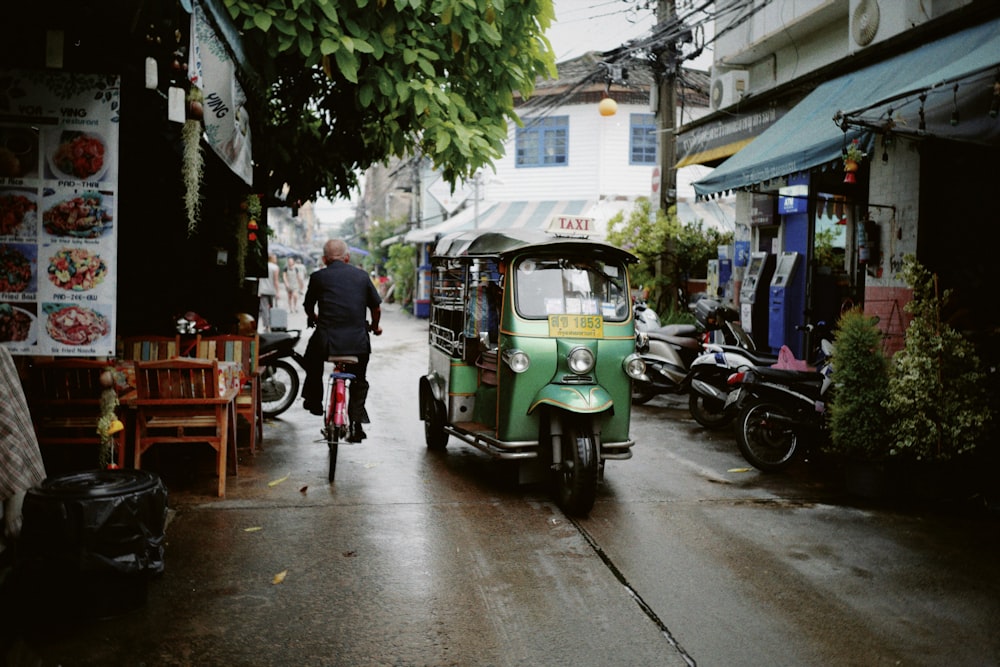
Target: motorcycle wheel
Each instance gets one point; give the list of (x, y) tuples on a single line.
[(708, 412), (434, 420), (641, 393), (766, 444), (575, 481), (279, 385)]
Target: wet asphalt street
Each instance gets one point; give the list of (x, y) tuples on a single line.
[(416, 558)]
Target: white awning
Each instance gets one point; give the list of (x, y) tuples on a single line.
[(521, 215)]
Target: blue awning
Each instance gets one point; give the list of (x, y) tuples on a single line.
[(808, 137)]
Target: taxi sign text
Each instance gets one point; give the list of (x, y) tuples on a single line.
[(571, 224)]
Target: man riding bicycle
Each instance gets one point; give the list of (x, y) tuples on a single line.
[(343, 293)]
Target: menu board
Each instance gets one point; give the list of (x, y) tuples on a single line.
[(58, 213)]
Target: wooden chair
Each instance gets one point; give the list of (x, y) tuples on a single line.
[(179, 400), (66, 404), (150, 348), (244, 350)]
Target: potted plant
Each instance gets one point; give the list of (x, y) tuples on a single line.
[(853, 156), (938, 398), (859, 421)]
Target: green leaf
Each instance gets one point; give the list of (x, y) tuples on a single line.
[(409, 56), (426, 67), (262, 20), (347, 63), (363, 46), (329, 9), (327, 46), (305, 44), (347, 42), (366, 94)]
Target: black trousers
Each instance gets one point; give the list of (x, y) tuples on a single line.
[(312, 389)]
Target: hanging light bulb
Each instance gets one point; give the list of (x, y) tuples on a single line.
[(607, 107)]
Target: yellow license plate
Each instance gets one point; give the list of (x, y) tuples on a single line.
[(576, 326)]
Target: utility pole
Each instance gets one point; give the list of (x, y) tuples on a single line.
[(667, 105), (666, 76)]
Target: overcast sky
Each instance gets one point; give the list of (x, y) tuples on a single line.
[(596, 25)]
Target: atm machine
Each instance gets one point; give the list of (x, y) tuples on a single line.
[(712, 279), (785, 304), (753, 296)]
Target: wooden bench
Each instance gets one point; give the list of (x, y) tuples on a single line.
[(180, 400), (243, 350), (66, 404), (155, 348)]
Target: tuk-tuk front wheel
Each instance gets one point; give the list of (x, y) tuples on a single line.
[(575, 477)]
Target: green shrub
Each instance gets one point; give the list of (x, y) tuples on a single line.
[(937, 391), (859, 422)]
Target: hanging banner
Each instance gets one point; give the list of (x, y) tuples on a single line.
[(227, 121), (58, 213)]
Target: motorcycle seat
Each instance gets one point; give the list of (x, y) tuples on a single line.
[(789, 377), (272, 338), (684, 335), (756, 358)]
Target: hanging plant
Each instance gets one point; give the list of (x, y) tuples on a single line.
[(193, 162), (249, 242), (853, 156), (108, 423)]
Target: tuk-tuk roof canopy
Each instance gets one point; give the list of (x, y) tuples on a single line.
[(473, 244)]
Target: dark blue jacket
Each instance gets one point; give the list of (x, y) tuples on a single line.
[(344, 294)]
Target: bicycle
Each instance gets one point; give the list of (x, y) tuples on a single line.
[(336, 423)]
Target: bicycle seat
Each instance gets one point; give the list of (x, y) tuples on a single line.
[(342, 359)]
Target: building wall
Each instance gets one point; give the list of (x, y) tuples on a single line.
[(598, 161)]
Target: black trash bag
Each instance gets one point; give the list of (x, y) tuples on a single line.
[(93, 539)]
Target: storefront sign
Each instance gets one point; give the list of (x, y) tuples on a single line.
[(58, 213), (227, 120)]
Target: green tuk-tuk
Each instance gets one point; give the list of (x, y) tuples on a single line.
[(532, 354)]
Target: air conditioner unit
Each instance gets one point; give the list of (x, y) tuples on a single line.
[(728, 88), (874, 21)]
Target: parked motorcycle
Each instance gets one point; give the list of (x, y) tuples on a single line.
[(778, 412), (279, 380), (646, 318), (677, 358)]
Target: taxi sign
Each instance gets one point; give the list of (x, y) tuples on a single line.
[(571, 225), (576, 326)]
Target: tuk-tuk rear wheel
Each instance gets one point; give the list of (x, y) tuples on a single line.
[(434, 421), (576, 479)]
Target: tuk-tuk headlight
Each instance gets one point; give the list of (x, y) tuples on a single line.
[(517, 360), (581, 360), (634, 367)]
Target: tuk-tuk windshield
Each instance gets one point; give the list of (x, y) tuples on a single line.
[(554, 286)]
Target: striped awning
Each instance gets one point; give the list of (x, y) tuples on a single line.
[(502, 215)]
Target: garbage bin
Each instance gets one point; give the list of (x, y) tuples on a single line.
[(90, 542)]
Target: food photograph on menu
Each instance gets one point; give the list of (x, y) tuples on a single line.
[(17, 268), (18, 152), (77, 156), (18, 324), (76, 269), (84, 215), (74, 324), (18, 212)]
